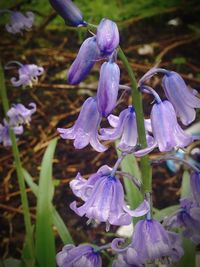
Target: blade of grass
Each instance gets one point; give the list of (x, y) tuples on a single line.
[(56, 218), (44, 237)]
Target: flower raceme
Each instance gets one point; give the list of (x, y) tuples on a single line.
[(85, 60), (81, 256), (28, 75), (19, 22), (182, 98), (85, 129), (69, 12), (107, 36), (108, 88)]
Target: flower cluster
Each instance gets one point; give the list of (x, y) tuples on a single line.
[(17, 116), (103, 194)]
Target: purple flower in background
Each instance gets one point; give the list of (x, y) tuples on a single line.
[(195, 187), (81, 256), (85, 60), (105, 203), (188, 217), (69, 11), (19, 114), (182, 98), (4, 132), (28, 74), (19, 22), (108, 88), (85, 129), (82, 188), (166, 130), (107, 36), (151, 241)]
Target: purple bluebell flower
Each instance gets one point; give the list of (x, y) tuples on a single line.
[(182, 98), (125, 127), (166, 130), (108, 88), (85, 129), (82, 188), (69, 12), (19, 114), (150, 242), (107, 36), (19, 22), (195, 186), (28, 75), (85, 60), (105, 203), (4, 132), (187, 217), (81, 256)]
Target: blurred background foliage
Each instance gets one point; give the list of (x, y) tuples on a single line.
[(122, 11)]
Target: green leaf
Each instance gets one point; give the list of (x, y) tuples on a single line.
[(44, 239), (56, 218), (188, 259), (161, 214), (185, 187), (10, 263)]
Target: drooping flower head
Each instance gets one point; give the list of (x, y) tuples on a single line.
[(19, 22), (166, 129), (19, 114), (4, 132), (69, 12), (125, 127), (108, 88), (182, 98), (107, 36), (85, 60), (28, 75), (105, 202), (81, 256), (85, 129), (150, 242)]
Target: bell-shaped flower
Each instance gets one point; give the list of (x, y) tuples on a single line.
[(195, 186), (182, 98), (81, 256), (125, 127), (4, 132), (107, 36), (150, 242), (28, 75), (19, 114), (105, 203), (85, 60), (166, 130), (19, 22), (187, 217), (69, 12), (85, 129), (108, 88), (82, 188)]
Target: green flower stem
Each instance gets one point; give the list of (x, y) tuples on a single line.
[(146, 169), (19, 170)]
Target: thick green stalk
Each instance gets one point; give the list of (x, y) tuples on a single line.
[(19, 170), (146, 170)]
